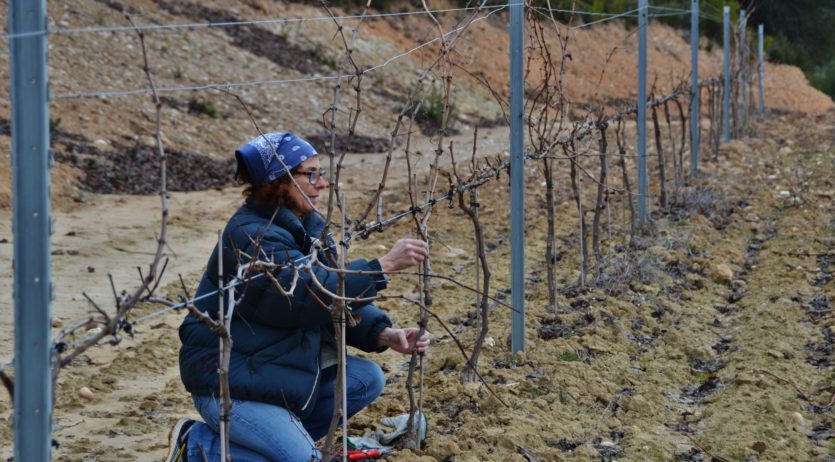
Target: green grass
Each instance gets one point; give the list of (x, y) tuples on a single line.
[(202, 106), (569, 356)]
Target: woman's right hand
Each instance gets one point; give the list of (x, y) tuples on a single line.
[(405, 253)]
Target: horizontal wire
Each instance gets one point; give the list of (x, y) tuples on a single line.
[(228, 85), (183, 304), (212, 25), (711, 17), (599, 21), (588, 13), (673, 12), (664, 15), (387, 62), (669, 8), (210, 86)]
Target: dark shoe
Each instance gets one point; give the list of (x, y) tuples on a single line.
[(177, 441)]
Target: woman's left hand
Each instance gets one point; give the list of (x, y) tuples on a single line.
[(404, 340)]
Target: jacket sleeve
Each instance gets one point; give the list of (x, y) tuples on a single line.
[(307, 306), (365, 334)]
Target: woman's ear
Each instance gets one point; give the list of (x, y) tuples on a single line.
[(281, 187)]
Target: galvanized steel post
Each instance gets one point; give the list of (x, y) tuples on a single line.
[(742, 51), (32, 228), (517, 175), (760, 66), (694, 88), (726, 73), (643, 186)]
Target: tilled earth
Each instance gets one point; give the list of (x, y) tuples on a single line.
[(709, 339)]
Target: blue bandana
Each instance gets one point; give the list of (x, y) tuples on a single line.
[(271, 156)]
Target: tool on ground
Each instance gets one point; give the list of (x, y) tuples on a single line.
[(364, 454)]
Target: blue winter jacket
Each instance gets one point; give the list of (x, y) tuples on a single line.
[(276, 339)]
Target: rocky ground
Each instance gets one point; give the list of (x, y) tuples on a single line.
[(710, 338)]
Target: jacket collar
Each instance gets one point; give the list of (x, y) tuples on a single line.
[(304, 231)]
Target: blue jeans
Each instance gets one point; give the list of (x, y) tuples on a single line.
[(262, 432)]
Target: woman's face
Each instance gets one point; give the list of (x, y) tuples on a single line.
[(296, 196)]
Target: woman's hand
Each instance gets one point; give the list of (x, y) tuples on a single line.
[(404, 340), (405, 253)]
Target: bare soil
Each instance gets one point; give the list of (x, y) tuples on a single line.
[(665, 358)]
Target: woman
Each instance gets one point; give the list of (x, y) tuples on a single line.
[(283, 363)]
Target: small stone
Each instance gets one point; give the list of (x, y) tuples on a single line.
[(94, 331), (775, 354), (739, 284), (86, 393), (702, 353), (723, 274), (696, 280), (771, 405), (454, 252), (797, 421), (639, 404)]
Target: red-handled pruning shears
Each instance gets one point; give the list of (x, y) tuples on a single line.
[(364, 454)]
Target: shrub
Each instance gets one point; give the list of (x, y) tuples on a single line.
[(54, 124), (202, 106), (430, 114), (569, 356)]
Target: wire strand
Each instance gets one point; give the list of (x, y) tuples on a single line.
[(668, 8), (183, 304), (600, 21), (230, 85), (588, 13), (210, 86), (224, 24)]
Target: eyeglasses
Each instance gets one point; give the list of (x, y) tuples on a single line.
[(313, 175)]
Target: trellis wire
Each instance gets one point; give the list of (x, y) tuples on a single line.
[(600, 21), (230, 85), (631, 13), (224, 24), (257, 22)]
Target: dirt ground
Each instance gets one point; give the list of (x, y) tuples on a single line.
[(711, 340)]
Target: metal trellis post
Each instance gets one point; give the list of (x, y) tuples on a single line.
[(694, 88), (517, 176), (726, 73), (760, 67), (32, 229), (742, 48), (642, 113)]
